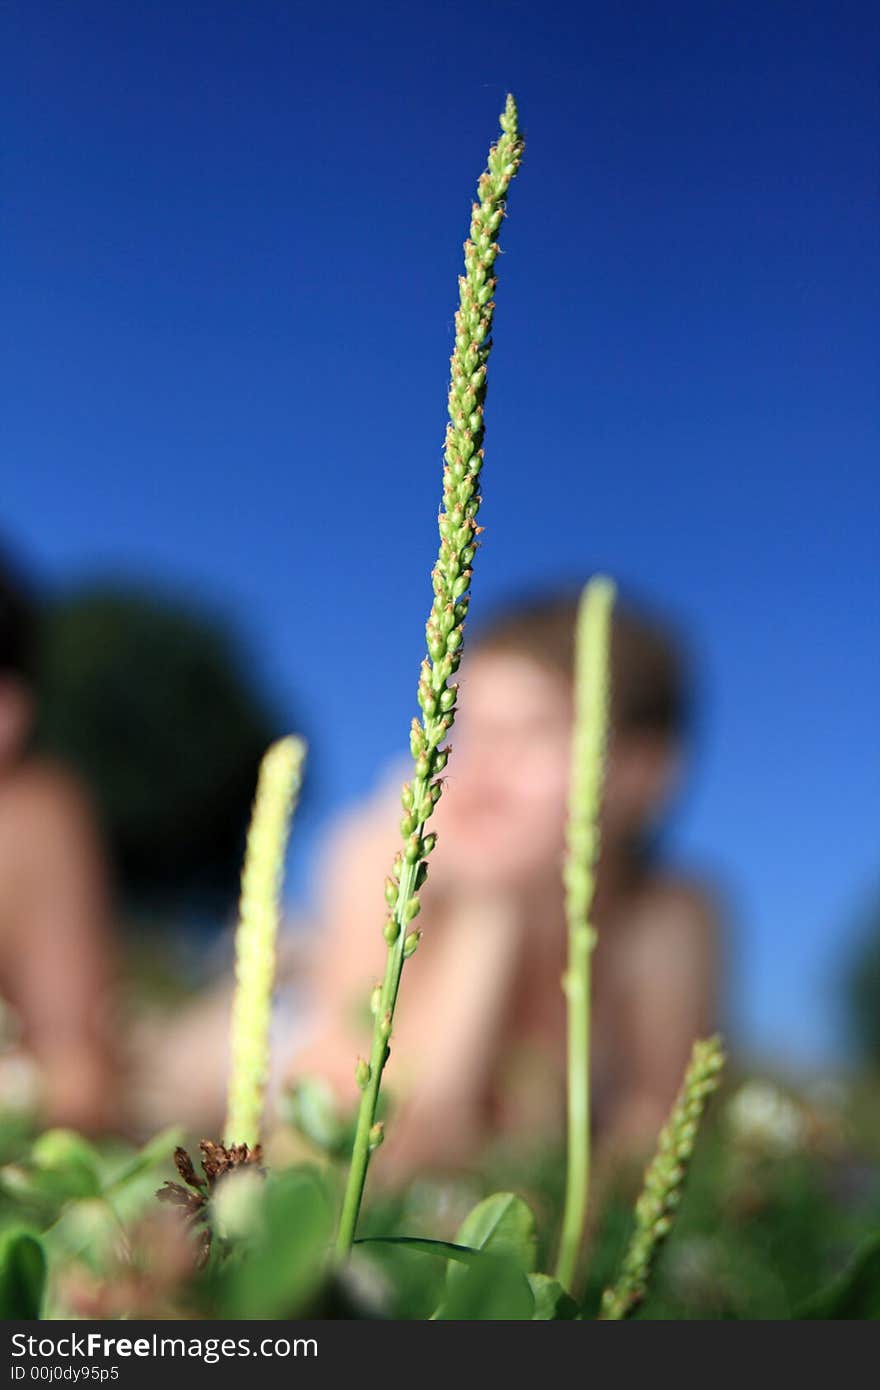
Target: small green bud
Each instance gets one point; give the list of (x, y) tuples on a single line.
[(410, 945), (406, 796), (385, 1024), (416, 739), (375, 999), (423, 766), (447, 699), (362, 1073), (441, 758), (391, 931), (377, 1135), (413, 851), (391, 890), (426, 697), (442, 672), (428, 843), (408, 825), (411, 911)]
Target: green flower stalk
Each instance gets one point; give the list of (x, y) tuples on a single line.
[(259, 912), (664, 1178), (444, 632), (592, 693)]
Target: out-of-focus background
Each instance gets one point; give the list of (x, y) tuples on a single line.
[(231, 237), (231, 242)]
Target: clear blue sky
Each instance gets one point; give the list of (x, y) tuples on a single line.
[(231, 240)]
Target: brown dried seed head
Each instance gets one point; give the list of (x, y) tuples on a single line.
[(178, 1196), (185, 1168), (217, 1159)]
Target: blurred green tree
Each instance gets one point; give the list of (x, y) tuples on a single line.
[(153, 704), (863, 989)]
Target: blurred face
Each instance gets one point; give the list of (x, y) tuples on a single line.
[(501, 820), (502, 816)]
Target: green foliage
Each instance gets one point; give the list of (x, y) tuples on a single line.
[(277, 1268), (488, 1275), (22, 1274), (501, 1225), (855, 1293), (863, 991), (61, 1167), (310, 1107), (442, 1249), (490, 1289), (68, 1162), (501, 1229), (491, 1284), (552, 1303), (142, 1164)]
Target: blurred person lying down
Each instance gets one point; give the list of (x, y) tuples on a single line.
[(479, 1038), (55, 939)]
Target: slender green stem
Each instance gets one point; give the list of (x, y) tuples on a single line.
[(589, 739), (369, 1134), (444, 634), (577, 1178)]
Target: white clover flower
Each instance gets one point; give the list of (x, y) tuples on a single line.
[(19, 1083), (761, 1115)]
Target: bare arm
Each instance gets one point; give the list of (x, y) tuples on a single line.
[(451, 1032), (62, 969), (349, 954), (667, 983), (453, 1001)]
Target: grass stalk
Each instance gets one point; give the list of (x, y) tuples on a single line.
[(592, 692), (444, 633), (664, 1178), (255, 940)]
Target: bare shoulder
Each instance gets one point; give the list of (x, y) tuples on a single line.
[(42, 802), (677, 897), (675, 913), (365, 837)]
